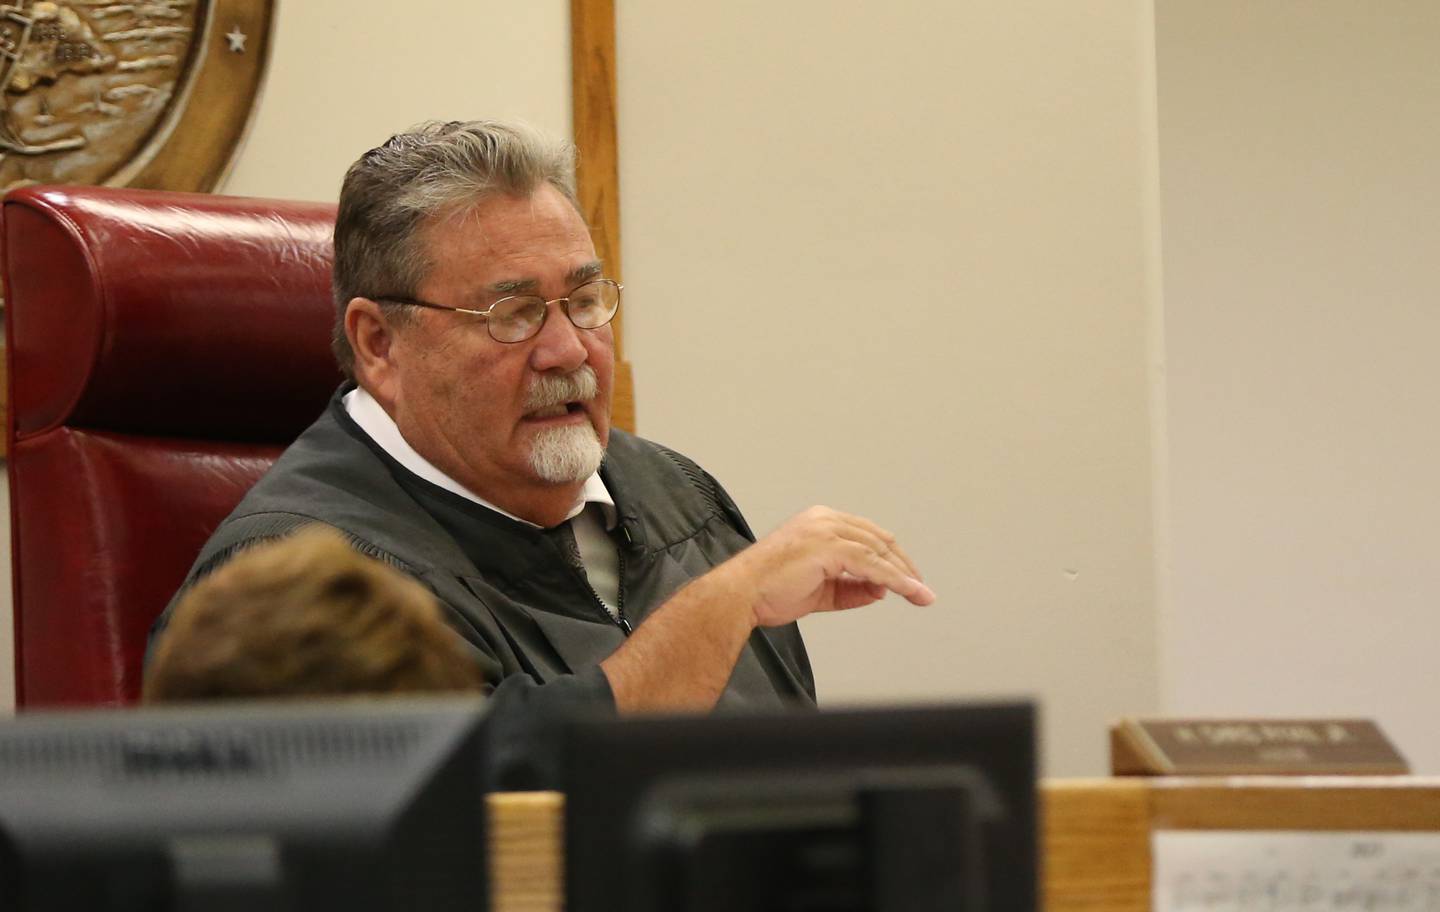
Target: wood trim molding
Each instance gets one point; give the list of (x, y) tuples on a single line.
[(597, 172)]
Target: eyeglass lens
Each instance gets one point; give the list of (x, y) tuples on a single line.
[(517, 318)]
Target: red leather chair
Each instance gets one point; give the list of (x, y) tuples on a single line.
[(163, 349)]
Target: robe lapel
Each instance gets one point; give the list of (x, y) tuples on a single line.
[(545, 615), (579, 643)]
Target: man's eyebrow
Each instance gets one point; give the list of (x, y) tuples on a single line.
[(579, 274), (590, 270), (514, 286)]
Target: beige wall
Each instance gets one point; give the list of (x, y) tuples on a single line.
[(347, 74), (1301, 200), (895, 258)]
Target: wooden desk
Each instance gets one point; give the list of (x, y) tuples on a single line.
[(1095, 841)]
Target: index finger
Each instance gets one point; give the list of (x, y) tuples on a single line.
[(890, 545)]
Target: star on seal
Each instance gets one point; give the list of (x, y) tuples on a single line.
[(236, 39)]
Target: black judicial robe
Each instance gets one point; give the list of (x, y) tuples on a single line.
[(537, 629)]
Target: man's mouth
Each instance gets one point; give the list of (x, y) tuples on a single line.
[(561, 398), (556, 411)]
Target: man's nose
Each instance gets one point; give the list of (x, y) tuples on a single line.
[(558, 344)]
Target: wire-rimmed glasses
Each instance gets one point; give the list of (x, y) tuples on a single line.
[(515, 318)]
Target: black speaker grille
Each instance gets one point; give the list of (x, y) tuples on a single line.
[(200, 749)]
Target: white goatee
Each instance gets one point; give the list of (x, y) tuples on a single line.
[(564, 455)]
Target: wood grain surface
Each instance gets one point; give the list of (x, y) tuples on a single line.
[(597, 171), (1095, 845), (526, 851)]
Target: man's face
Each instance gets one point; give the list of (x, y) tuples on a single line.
[(466, 402)]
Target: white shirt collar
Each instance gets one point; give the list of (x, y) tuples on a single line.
[(375, 422)]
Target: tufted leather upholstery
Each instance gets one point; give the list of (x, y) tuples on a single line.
[(163, 349)]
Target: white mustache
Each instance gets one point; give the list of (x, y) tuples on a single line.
[(548, 390)]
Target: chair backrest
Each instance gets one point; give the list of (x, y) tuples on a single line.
[(163, 349)]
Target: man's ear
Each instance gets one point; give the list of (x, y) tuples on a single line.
[(372, 338)]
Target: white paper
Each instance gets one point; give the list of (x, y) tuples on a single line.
[(1284, 871)]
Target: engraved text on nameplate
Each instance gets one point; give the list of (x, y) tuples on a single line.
[(1245, 746)]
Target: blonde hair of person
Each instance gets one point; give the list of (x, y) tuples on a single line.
[(305, 616)]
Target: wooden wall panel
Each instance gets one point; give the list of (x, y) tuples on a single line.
[(592, 74)]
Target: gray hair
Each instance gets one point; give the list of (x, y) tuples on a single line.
[(395, 190)]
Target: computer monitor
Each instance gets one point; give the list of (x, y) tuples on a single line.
[(883, 810), (373, 805)]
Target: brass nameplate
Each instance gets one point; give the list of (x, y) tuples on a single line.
[(1231, 747)]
